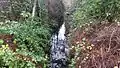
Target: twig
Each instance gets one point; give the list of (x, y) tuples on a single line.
[(111, 38)]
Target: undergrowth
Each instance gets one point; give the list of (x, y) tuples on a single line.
[(32, 40)]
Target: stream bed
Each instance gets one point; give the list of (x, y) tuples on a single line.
[(59, 49)]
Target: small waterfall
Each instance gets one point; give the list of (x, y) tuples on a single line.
[(59, 49), (61, 33)]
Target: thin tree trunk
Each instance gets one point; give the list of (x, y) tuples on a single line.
[(34, 8)]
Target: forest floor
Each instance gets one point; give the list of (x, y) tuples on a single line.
[(97, 46), (93, 46)]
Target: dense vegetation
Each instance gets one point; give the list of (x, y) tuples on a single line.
[(32, 29), (31, 34), (96, 10), (93, 21)]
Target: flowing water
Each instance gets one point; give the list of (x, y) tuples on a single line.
[(59, 49)]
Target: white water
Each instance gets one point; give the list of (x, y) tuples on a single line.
[(61, 33), (59, 49)]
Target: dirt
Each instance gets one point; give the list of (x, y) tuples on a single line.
[(8, 39), (99, 46)]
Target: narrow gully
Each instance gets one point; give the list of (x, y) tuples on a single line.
[(59, 49)]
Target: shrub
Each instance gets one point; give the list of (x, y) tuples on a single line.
[(97, 10), (32, 39), (8, 59)]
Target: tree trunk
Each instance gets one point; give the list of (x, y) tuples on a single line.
[(34, 8)]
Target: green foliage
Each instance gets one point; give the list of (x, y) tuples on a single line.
[(25, 14), (1, 41), (17, 10), (16, 6), (32, 34), (33, 39), (97, 10), (72, 65), (8, 59)]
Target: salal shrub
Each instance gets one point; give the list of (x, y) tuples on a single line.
[(9, 60), (32, 39), (97, 10)]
